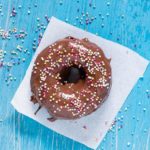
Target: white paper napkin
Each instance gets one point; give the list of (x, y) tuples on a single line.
[(127, 67)]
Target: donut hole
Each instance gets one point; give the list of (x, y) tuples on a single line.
[(72, 74)]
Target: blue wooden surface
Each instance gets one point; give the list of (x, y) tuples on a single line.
[(123, 21)]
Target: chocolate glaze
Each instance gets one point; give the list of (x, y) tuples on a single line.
[(71, 100)]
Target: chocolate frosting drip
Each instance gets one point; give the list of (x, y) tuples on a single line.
[(71, 78)]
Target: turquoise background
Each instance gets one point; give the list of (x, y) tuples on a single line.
[(123, 21)]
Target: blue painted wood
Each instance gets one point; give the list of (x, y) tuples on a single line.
[(126, 22)]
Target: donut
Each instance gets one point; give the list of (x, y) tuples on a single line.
[(71, 78)]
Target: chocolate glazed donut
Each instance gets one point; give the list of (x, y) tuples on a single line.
[(71, 78)]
